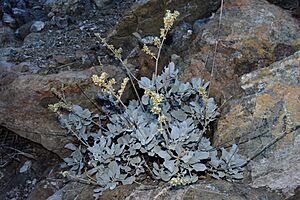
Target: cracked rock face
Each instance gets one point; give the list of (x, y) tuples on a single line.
[(270, 107)]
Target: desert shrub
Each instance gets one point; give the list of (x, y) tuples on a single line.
[(162, 134)]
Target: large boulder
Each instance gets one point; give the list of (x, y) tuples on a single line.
[(253, 34), (146, 17), (269, 109), (25, 98), (24, 103), (205, 190)]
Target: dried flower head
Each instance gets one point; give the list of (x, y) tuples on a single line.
[(100, 81), (157, 42), (203, 93), (60, 105), (168, 22), (148, 52), (157, 99), (179, 181), (123, 86), (162, 119)]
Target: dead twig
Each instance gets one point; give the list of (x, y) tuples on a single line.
[(228, 143), (269, 145), (88, 98), (65, 65), (216, 46), (164, 190), (20, 152)]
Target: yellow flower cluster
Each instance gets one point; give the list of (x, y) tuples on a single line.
[(162, 119), (117, 52), (148, 52), (65, 173), (123, 86), (203, 93), (168, 23), (99, 81), (156, 110), (110, 84), (179, 181), (157, 99), (157, 42), (55, 107), (107, 85)]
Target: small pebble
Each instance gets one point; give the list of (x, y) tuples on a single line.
[(37, 26)]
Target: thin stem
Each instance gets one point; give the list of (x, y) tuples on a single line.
[(164, 190), (216, 46), (82, 141), (91, 178), (157, 58), (101, 127), (129, 73), (88, 97), (147, 166), (20, 152), (90, 182), (131, 77)]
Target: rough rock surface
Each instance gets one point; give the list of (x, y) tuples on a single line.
[(15, 152), (269, 108), (101, 3), (47, 59), (286, 4), (207, 190), (145, 17), (69, 7), (24, 102), (253, 34), (49, 52), (6, 36)]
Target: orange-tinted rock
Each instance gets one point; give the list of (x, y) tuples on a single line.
[(253, 35), (270, 107), (25, 98), (24, 103)]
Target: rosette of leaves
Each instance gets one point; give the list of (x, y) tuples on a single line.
[(114, 147)]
